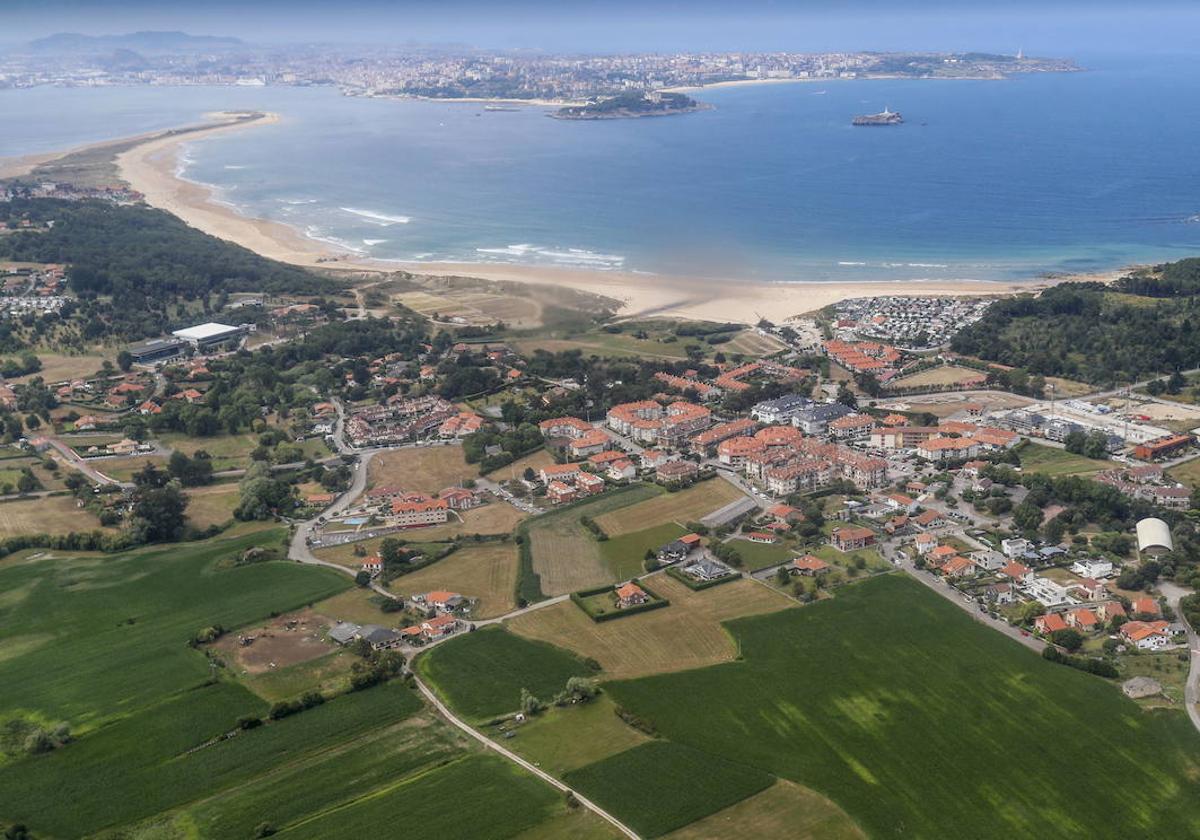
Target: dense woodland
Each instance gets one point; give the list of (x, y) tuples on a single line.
[(146, 260), (1091, 333)]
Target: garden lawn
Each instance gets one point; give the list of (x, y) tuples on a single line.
[(475, 797), (481, 674), (626, 554), (661, 786), (918, 721), (757, 556)]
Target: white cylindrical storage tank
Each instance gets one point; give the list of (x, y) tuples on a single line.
[(1154, 537)]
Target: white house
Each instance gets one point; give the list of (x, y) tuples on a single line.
[(1049, 593), (1015, 548), (1092, 568)]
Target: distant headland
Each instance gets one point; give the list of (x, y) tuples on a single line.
[(632, 105)]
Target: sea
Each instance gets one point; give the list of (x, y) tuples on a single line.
[(985, 180)]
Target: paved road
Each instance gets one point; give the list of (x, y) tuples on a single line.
[(74, 460), (1190, 693), (516, 759)]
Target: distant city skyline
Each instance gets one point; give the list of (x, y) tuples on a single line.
[(1061, 26)]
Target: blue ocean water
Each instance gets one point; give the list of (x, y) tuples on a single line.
[(985, 180)]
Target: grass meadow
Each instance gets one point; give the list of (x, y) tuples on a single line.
[(1049, 460), (626, 554), (481, 674), (689, 505), (917, 721), (566, 556), (687, 634)]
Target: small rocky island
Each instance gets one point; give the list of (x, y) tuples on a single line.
[(884, 117), (630, 105)]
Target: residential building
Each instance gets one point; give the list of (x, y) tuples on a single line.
[(1147, 635), (630, 594), (851, 538)]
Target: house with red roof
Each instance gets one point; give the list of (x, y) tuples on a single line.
[(1146, 606), (630, 595), (809, 565), (1147, 635), (852, 538), (1083, 620), (1049, 623)]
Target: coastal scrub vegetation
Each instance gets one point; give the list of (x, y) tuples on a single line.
[(146, 259), (1142, 326)]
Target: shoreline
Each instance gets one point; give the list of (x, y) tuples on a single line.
[(151, 167)]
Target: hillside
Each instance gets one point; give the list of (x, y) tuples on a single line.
[(1144, 325)]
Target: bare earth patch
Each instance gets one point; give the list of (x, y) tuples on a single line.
[(287, 640)]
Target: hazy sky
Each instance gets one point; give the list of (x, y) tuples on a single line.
[(1048, 27)]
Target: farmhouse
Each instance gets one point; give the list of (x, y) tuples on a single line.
[(442, 600), (442, 625), (630, 595)]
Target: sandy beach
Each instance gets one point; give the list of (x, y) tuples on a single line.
[(150, 167)]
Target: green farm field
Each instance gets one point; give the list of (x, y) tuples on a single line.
[(879, 696), (106, 635), (474, 797), (481, 674), (661, 786)]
